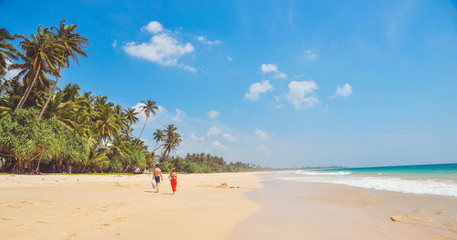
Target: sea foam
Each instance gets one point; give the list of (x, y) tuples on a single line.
[(377, 182)]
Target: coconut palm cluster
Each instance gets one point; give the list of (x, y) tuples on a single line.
[(47, 129)]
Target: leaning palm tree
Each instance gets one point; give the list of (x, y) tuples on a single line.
[(42, 55), (7, 51), (172, 140), (148, 108), (74, 44), (158, 136)]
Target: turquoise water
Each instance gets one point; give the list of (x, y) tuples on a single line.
[(430, 171), (436, 179)]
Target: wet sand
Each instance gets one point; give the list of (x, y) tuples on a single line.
[(297, 210)]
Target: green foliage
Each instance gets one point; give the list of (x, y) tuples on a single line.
[(83, 133), (115, 165), (19, 134), (137, 158), (74, 147), (206, 163)]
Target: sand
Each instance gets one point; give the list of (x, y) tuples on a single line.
[(123, 207), (298, 210), (126, 207)]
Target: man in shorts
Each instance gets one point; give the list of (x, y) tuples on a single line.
[(157, 176)]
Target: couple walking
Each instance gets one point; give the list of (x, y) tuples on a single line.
[(158, 176)]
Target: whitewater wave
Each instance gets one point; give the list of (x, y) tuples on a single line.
[(339, 173), (415, 186), (314, 173)]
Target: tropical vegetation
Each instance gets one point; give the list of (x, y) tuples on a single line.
[(44, 128)]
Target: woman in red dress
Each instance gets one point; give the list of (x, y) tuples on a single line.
[(173, 180)]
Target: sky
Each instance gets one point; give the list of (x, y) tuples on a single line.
[(276, 83)]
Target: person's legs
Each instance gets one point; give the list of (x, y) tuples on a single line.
[(157, 178)]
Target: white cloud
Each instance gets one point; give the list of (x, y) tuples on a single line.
[(179, 117), (213, 131), (163, 48), (153, 27), (262, 134), (229, 58), (267, 68), (189, 68), (272, 68), (263, 148), (204, 40), (229, 137), (310, 55), (114, 44), (218, 145), (213, 114), (301, 94), (195, 137), (280, 75), (258, 88), (344, 91)]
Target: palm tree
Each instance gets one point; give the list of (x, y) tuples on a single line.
[(42, 54), (148, 108), (7, 51), (159, 136), (108, 124), (74, 44), (130, 115), (172, 140)]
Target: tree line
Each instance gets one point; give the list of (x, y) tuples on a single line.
[(44, 128), (48, 129), (206, 163)]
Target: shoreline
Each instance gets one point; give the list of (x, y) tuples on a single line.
[(299, 210), (125, 207)]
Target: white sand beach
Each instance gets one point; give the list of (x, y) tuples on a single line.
[(123, 207), (126, 207)]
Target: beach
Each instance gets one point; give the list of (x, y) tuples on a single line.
[(123, 207), (251, 206), (299, 210)]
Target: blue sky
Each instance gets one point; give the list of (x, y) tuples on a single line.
[(277, 83)]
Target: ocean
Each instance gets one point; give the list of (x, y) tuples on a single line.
[(435, 179)]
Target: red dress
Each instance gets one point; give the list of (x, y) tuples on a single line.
[(174, 183)]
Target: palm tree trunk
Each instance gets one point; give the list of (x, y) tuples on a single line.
[(50, 96), (155, 148), (29, 89), (143, 127), (52, 92)]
